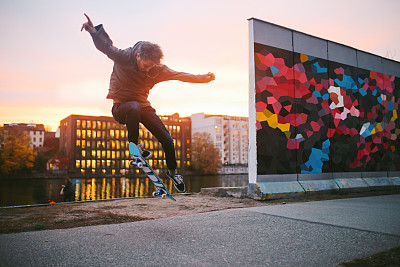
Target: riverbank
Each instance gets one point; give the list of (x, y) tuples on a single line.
[(82, 213)]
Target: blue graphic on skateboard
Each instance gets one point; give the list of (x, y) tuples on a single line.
[(140, 162)]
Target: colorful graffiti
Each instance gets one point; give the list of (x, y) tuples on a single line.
[(315, 115)]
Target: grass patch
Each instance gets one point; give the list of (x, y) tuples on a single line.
[(38, 227), (390, 257)]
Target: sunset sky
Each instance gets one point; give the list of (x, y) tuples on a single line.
[(49, 69)]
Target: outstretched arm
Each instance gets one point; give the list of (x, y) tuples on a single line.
[(167, 74), (210, 77)]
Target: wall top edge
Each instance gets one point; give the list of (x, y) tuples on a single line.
[(316, 37)]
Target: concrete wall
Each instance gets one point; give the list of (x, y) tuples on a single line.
[(319, 110)]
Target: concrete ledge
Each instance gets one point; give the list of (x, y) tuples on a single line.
[(276, 190), (352, 185), (395, 181), (319, 186), (381, 183), (254, 192), (239, 192)]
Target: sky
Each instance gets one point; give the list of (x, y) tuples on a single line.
[(49, 69)]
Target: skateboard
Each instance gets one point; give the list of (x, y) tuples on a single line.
[(140, 162)]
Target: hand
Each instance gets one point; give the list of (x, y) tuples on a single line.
[(88, 26), (210, 77)]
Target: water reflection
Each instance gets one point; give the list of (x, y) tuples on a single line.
[(108, 188), (14, 192)]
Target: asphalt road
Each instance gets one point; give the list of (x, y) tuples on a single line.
[(322, 233)]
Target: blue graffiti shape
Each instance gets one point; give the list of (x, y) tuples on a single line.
[(318, 94), (316, 68), (390, 105), (274, 70), (317, 159), (347, 82), (363, 92), (366, 129)]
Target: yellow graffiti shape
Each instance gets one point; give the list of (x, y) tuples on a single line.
[(303, 58), (272, 120), (394, 115), (377, 129)]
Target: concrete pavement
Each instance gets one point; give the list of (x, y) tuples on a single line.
[(322, 233)]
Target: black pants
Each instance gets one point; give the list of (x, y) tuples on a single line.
[(131, 113)]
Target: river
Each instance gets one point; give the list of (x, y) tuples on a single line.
[(17, 192)]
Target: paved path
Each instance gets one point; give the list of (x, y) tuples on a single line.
[(322, 233)]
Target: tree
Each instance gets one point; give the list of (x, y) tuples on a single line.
[(205, 156), (16, 154), (45, 153)]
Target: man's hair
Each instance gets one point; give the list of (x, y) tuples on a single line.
[(150, 51)]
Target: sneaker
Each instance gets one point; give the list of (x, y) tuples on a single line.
[(177, 180), (145, 153)]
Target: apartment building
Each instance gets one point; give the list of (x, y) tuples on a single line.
[(35, 131), (98, 145), (228, 133)]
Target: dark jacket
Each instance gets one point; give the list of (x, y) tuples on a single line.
[(68, 189), (127, 82)]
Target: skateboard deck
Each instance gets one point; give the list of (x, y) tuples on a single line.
[(140, 162)]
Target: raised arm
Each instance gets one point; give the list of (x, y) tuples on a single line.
[(88, 26), (104, 43)]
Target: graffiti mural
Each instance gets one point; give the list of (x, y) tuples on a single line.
[(317, 116)]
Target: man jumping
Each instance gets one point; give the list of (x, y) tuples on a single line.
[(136, 70)]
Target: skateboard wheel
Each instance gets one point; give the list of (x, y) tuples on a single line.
[(140, 165), (154, 194), (163, 196)]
